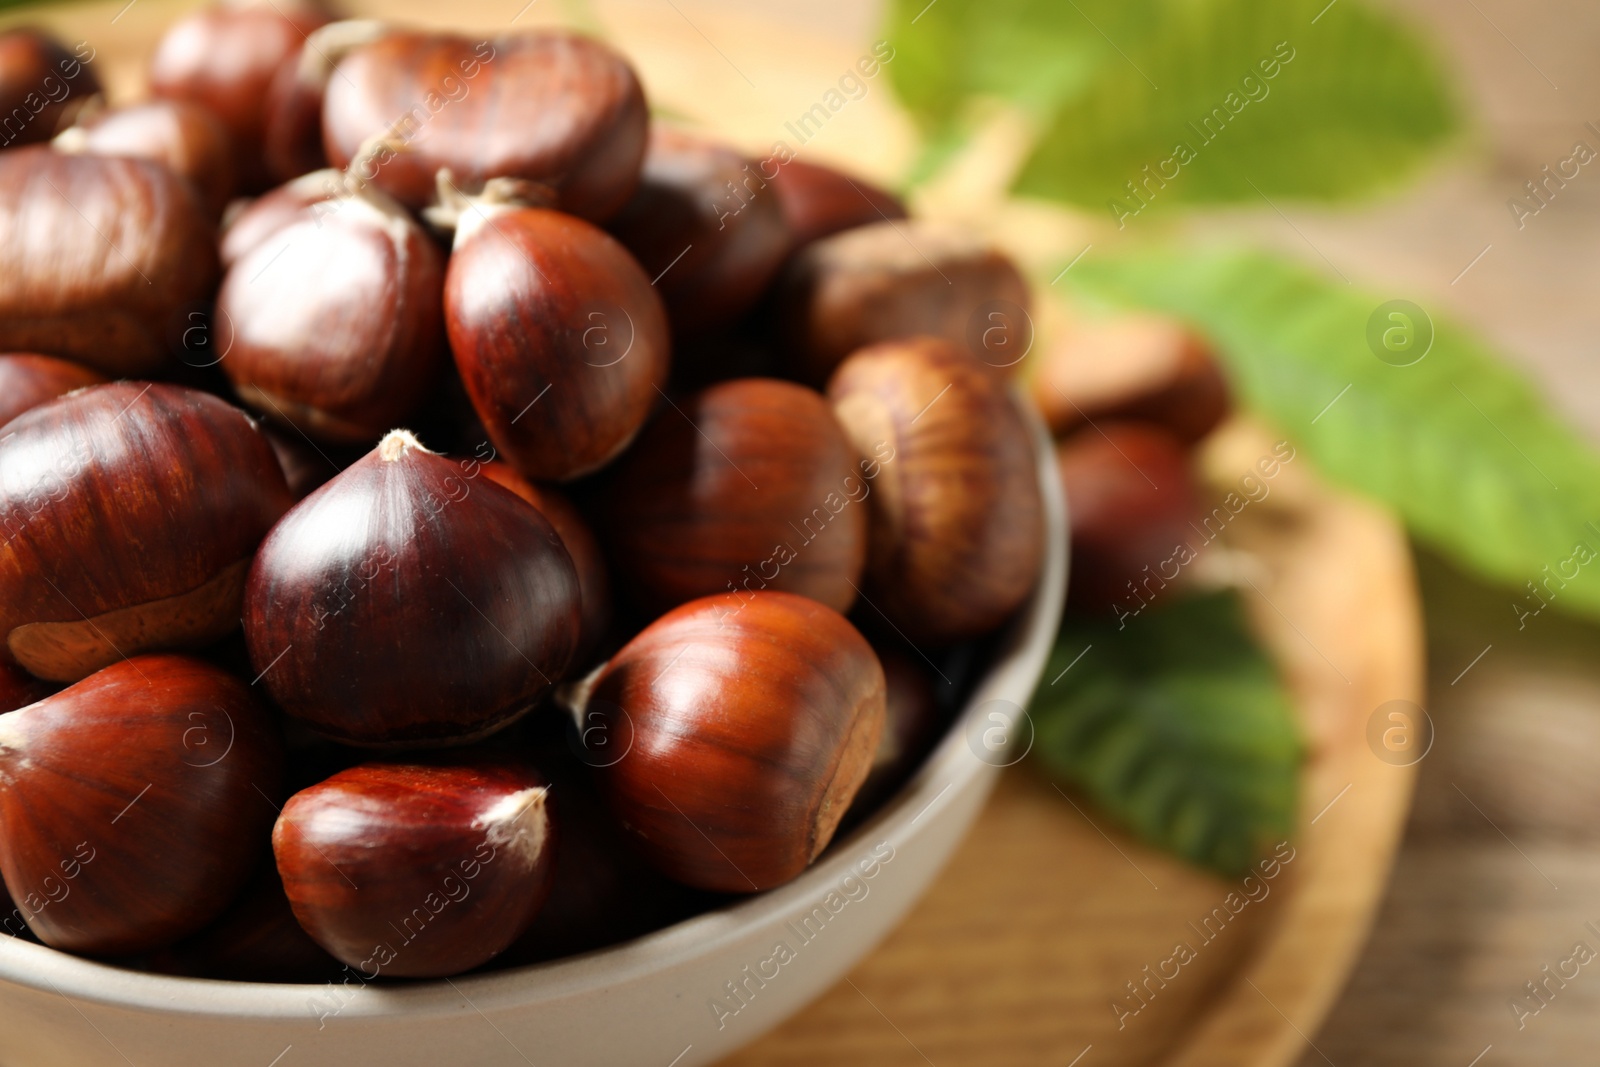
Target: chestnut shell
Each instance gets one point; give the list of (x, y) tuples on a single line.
[(145, 790), (749, 484), (706, 226), (819, 201), (957, 538), (407, 603), (336, 320), (540, 302), (32, 63), (754, 721), (182, 136), (420, 869), (556, 108), (28, 380), (130, 514), (101, 257)]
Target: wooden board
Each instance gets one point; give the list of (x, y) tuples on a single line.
[(1047, 912)]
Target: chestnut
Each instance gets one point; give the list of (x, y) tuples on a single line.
[(131, 513), (754, 720), (901, 279), (418, 869), (254, 222), (912, 721), (291, 141), (819, 201), (407, 550), (133, 803), (337, 325), (41, 84), (706, 226), (749, 484), (99, 256), (555, 108), (541, 302), (184, 137), (28, 380), (225, 58), (957, 537), (1132, 498), (594, 580), (1143, 368)]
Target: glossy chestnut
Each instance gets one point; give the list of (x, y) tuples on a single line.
[(560, 339), (134, 803), (254, 222), (130, 514), (706, 226), (28, 380), (336, 319), (902, 279), (754, 720), (42, 84), (292, 130), (1140, 368), (100, 257), (180, 135), (594, 579), (957, 537), (224, 58), (405, 551), (819, 201), (1132, 498), (749, 484), (556, 108), (418, 869)]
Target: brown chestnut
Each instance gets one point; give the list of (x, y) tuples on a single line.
[(407, 550), (225, 57), (538, 302), (556, 108), (912, 722), (100, 256), (594, 581), (1132, 498), (28, 380), (41, 84), (418, 870), (182, 136), (706, 227), (133, 803), (750, 484), (250, 224), (292, 129), (902, 279), (257, 939), (337, 326), (1142, 368), (754, 720), (130, 514), (819, 201), (957, 538)]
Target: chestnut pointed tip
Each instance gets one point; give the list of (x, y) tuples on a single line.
[(519, 822), (396, 443)]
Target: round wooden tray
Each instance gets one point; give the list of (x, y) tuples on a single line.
[(1047, 912)]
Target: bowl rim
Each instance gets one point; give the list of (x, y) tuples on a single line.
[(1012, 674)]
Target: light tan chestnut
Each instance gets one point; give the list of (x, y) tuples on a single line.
[(957, 526)]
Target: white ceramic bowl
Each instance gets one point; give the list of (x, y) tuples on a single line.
[(683, 996)]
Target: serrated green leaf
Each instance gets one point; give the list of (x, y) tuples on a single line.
[(1352, 103), (1178, 726), (1459, 444)]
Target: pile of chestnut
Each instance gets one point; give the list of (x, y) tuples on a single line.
[(449, 516)]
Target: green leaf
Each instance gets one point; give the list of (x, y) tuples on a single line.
[(1305, 99), (1253, 101), (1178, 726), (1459, 444)]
